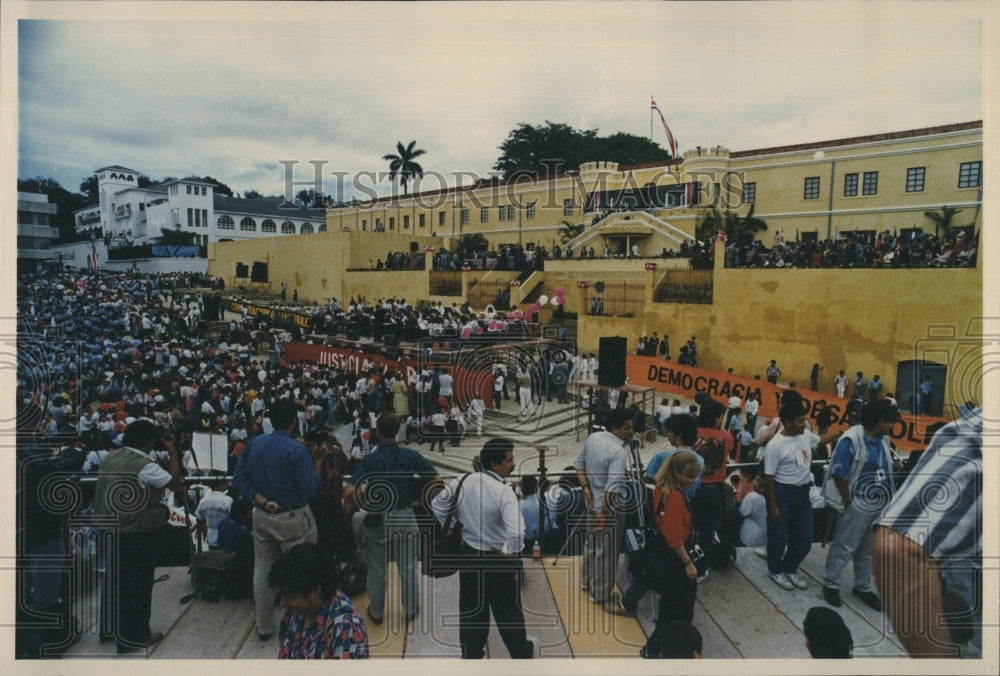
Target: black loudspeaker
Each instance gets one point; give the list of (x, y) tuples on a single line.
[(611, 361), (390, 340), (259, 272), (242, 270), (212, 307), (414, 246)]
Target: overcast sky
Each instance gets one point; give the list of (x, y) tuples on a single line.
[(229, 90)]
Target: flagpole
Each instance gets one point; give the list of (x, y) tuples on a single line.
[(651, 98)]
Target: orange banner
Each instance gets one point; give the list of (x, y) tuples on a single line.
[(684, 381)]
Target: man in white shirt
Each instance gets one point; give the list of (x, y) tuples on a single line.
[(476, 411), (600, 468), (493, 535), (213, 507), (445, 381), (787, 477), (661, 414), (751, 407)]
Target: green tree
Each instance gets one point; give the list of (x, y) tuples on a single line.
[(555, 147), (569, 231), (252, 195), (473, 241), (402, 164), (220, 187), (737, 228), (943, 220)]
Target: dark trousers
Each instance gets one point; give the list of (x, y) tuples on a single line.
[(488, 582), (789, 538), (707, 513), (126, 601), (676, 603)]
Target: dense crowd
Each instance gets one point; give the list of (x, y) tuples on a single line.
[(100, 354), (858, 250)]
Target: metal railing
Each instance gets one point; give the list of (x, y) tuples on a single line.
[(685, 286), (616, 299)]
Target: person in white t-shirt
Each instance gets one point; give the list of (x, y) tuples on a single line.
[(661, 414), (476, 410), (787, 477)]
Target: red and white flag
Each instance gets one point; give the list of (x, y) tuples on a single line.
[(670, 134), (93, 261)]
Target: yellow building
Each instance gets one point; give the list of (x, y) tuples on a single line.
[(860, 319)]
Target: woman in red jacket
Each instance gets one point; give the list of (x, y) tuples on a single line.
[(673, 518)]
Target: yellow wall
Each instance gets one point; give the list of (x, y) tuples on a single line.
[(853, 320), (843, 319)]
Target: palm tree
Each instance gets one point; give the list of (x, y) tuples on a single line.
[(942, 220), (403, 164), (730, 222), (570, 231)]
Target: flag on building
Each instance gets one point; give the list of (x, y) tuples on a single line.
[(93, 261), (670, 134)]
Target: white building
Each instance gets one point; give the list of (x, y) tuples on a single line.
[(34, 234), (126, 213)]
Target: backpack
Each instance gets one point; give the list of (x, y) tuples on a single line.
[(214, 573)]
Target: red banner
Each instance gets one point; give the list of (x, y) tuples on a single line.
[(684, 381), (467, 381)]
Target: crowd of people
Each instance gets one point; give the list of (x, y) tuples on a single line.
[(883, 249), (152, 372)]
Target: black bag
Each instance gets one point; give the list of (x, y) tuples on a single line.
[(650, 564), (174, 546), (441, 556), (209, 573), (654, 563)]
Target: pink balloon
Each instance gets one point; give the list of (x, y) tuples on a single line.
[(437, 346), (560, 290), (447, 345)]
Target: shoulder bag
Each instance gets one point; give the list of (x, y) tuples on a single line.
[(440, 556)]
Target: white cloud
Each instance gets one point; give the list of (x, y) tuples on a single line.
[(233, 88)]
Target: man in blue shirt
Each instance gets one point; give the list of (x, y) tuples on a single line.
[(530, 507), (387, 483), (278, 475), (861, 469)]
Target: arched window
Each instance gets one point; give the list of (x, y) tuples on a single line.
[(268, 226), (130, 177), (306, 228), (287, 228), (248, 225), (226, 223), (322, 227)]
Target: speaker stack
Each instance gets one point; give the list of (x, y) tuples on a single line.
[(611, 361), (259, 272)]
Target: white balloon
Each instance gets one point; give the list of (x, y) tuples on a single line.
[(543, 299), (557, 301)]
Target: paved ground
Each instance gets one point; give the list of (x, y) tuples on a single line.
[(740, 612)]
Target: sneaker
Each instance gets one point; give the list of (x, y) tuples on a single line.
[(870, 599), (760, 551), (831, 596), (614, 598), (782, 581), (797, 580), (704, 576), (625, 611)]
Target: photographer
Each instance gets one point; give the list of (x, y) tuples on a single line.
[(133, 557)]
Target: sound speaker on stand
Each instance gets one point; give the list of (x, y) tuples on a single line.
[(259, 272), (611, 361)]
